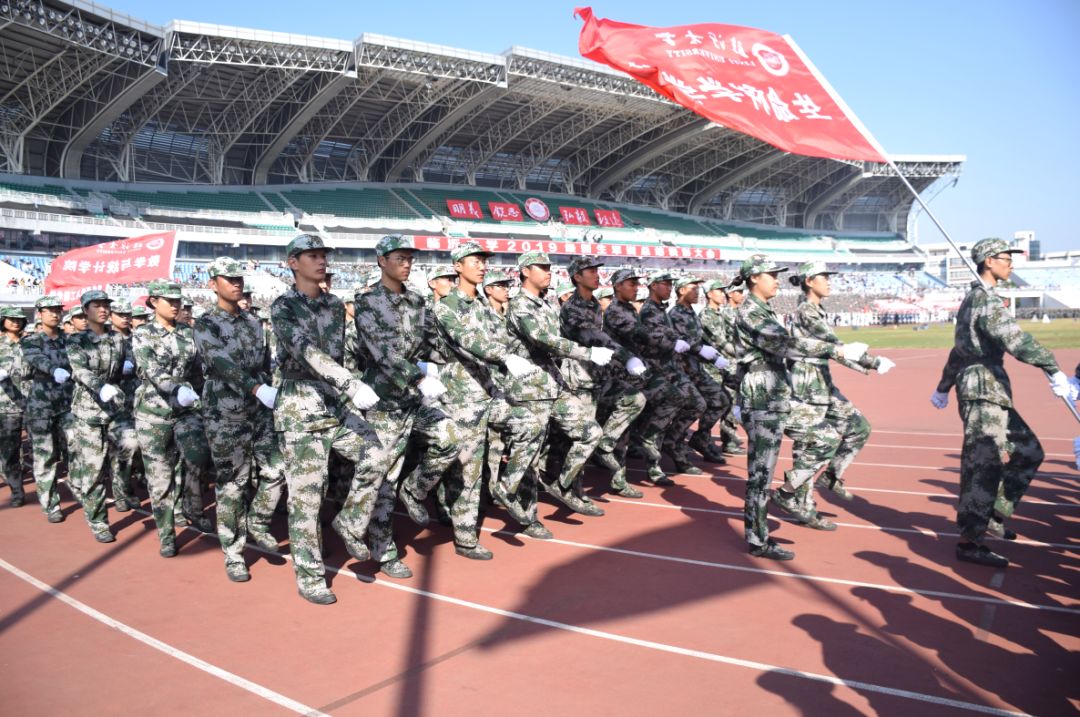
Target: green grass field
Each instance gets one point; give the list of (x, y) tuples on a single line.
[(1059, 334)]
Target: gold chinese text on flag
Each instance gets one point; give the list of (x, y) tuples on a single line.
[(749, 80)]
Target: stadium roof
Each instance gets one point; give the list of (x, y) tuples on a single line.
[(89, 93)]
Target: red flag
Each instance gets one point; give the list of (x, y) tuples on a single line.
[(124, 261), (749, 80)]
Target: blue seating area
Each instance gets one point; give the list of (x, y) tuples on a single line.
[(1048, 278)]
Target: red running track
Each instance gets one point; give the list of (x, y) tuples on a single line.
[(654, 608)]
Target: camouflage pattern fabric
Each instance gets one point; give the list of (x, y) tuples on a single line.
[(764, 431), (516, 431), (12, 405), (47, 402), (813, 444), (715, 399), (120, 465)]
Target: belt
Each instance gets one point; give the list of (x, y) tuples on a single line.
[(765, 367), (815, 361), (297, 376)]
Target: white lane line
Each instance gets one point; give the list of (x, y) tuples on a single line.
[(917, 531), (176, 653), (986, 620), (947, 448), (955, 435)]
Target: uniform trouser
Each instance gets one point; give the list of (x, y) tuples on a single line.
[(992, 432), (764, 431), (618, 407), (854, 432), (167, 448), (814, 443), (573, 415), (90, 445), (11, 453), (369, 506), (452, 435), (518, 431), (693, 408), (664, 401), (307, 469), (717, 403), (238, 447), (47, 445), (120, 471)]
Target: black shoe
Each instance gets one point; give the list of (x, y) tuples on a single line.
[(18, 502), (200, 523), (417, 512), (980, 555), (787, 503), (104, 535), (627, 491), (395, 569), (538, 530), (237, 572), (836, 486), (772, 551), (735, 450), (320, 596), (819, 523), (687, 468), (55, 516), (477, 552)]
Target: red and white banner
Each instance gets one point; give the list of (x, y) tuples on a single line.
[(608, 217), (614, 250), (753, 81), (464, 209), (505, 212), (574, 215), (124, 261)]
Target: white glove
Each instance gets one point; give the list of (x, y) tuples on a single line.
[(129, 368), (635, 366), (431, 387), (267, 395), (431, 370), (1059, 385), (60, 375), (108, 392), (185, 396), (737, 412), (1075, 383), (884, 365), (3, 375), (518, 366), (707, 352), (854, 351), (939, 399), (721, 362), (600, 355), (681, 347), (364, 398)]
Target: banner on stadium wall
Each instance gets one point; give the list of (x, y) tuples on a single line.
[(753, 81), (505, 212), (612, 249), (464, 209), (574, 215), (124, 261), (608, 218)]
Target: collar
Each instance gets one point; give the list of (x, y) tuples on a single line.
[(763, 304)]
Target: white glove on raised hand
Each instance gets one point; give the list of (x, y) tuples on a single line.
[(1059, 385), (518, 366), (108, 392), (3, 375), (364, 397), (185, 396), (129, 368), (429, 369), (600, 355), (854, 351), (884, 365), (708, 352), (1075, 392), (60, 375), (681, 347), (431, 387), (267, 395), (721, 362), (939, 400), (635, 366)]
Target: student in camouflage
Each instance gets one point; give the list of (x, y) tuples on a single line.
[(139, 316), (716, 331), (99, 420), (167, 419), (990, 486), (318, 411), (696, 363), (48, 400), (124, 496), (13, 372), (765, 400), (613, 397), (237, 400)]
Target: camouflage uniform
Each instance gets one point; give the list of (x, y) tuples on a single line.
[(985, 332), (240, 431), (168, 433), (12, 405), (120, 465), (765, 401), (717, 329), (94, 426), (47, 405)]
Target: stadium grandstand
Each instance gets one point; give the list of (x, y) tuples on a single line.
[(235, 139)]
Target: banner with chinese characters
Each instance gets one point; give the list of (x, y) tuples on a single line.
[(574, 215), (464, 209), (608, 217), (604, 248), (505, 212), (749, 80), (124, 261)]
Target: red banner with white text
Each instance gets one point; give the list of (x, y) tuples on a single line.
[(608, 217), (505, 212), (124, 261), (574, 215), (609, 249), (464, 209), (753, 81)]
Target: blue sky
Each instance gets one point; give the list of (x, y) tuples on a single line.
[(994, 80)]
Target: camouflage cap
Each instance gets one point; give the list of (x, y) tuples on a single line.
[(532, 258), (715, 285), (687, 281), (186, 301), (759, 264), (623, 274), (564, 289), (393, 242), (49, 302), (467, 249), (604, 292), (579, 263), (734, 288), (12, 312), (120, 306), (495, 276), (442, 270), (93, 295), (139, 312), (990, 247), (305, 242), (164, 289), (660, 276), (77, 311), (225, 266), (813, 268)]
